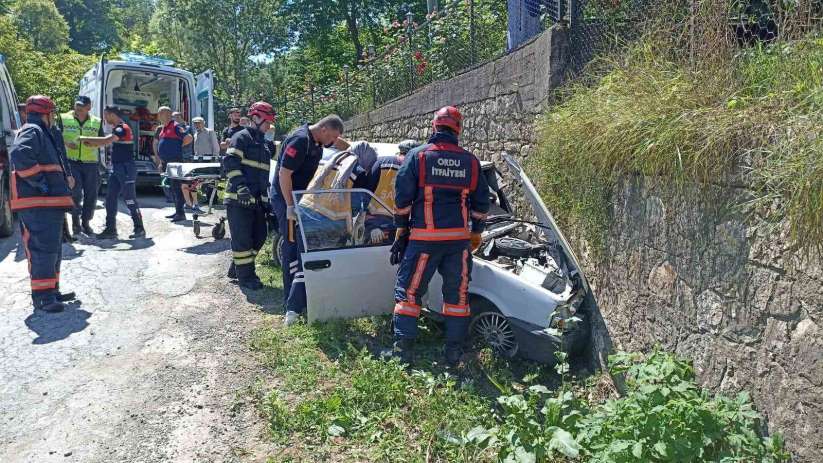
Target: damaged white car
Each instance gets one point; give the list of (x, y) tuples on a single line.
[(527, 289)]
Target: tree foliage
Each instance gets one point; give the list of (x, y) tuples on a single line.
[(41, 23)]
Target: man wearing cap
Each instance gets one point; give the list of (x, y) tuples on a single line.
[(123, 173), (205, 140), (83, 161), (233, 128), (173, 137), (41, 195)]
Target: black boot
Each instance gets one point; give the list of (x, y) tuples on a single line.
[(453, 354), (402, 350), (87, 228), (76, 229), (66, 297), (109, 233), (232, 273), (51, 307), (67, 237), (139, 231)]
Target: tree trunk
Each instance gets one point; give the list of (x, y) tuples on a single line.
[(351, 23)]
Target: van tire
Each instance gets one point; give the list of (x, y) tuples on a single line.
[(6, 216)]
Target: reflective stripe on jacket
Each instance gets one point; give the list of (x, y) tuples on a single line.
[(440, 192), (38, 179), (383, 178), (72, 130), (247, 163)]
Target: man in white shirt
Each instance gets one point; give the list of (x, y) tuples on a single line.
[(205, 140)]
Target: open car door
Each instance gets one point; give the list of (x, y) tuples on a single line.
[(346, 273), (204, 91)]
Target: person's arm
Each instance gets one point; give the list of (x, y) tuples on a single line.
[(233, 162), (405, 191), (23, 157), (215, 145), (96, 142), (479, 202), (294, 155)]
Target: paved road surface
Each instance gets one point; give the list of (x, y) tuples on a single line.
[(152, 366)]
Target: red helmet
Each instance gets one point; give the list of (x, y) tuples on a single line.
[(262, 109), (40, 104), (448, 116)]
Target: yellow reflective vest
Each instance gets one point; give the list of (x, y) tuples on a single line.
[(72, 130), (337, 173)]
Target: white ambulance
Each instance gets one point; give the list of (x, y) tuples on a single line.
[(139, 85)]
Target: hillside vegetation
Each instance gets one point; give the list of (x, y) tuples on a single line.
[(754, 119)]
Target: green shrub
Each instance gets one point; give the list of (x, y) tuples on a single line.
[(757, 116)]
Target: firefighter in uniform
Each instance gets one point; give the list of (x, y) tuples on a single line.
[(442, 200), (380, 221), (40, 194), (123, 173), (299, 158), (247, 164), (83, 160)]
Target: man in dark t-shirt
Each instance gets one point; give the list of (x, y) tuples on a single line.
[(123, 173), (233, 128), (299, 157)]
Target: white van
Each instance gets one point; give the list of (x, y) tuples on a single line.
[(139, 85)]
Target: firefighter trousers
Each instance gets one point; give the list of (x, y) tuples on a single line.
[(294, 287), (122, 182), (41, 231), (453, 261), (248, 229), (87, 182)]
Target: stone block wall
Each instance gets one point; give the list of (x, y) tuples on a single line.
[(499, 101), (683, 269)]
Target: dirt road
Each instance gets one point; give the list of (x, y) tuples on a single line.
[(152, 366)]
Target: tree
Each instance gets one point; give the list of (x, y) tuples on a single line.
[(229, 36), (41, 23), (93, 24)]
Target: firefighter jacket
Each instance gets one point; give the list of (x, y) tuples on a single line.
[(382, 179), (247, 164), (440, 192), (73, 130), (38, 178), (341, 172)]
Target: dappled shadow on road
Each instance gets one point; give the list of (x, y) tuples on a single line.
[(51, 327), (208, 247)]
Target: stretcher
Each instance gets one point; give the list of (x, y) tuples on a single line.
[(198, 174)]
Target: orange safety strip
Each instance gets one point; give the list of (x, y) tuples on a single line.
[(41, 201), (422, 260), (452, 310), (38, 168), (44, 284), (406, 308), (464, 279), (428, 207), (444, 234)]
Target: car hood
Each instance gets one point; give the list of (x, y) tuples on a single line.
[(544, 216)]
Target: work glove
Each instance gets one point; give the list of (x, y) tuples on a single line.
[(244, 197), (398, 249), (376, 236), (291, 214), (476, 240)]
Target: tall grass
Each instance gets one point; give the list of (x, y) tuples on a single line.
[(754, 118)]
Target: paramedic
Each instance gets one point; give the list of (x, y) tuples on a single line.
[(123, 173), (170, 144), (442, 200), (299, 157), (84, 162), (40, 194), (380, 221), (246, 197)]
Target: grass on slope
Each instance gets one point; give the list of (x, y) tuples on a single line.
[(758, 116), (334, 401)]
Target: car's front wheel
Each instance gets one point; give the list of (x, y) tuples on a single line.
[(491, 328)]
